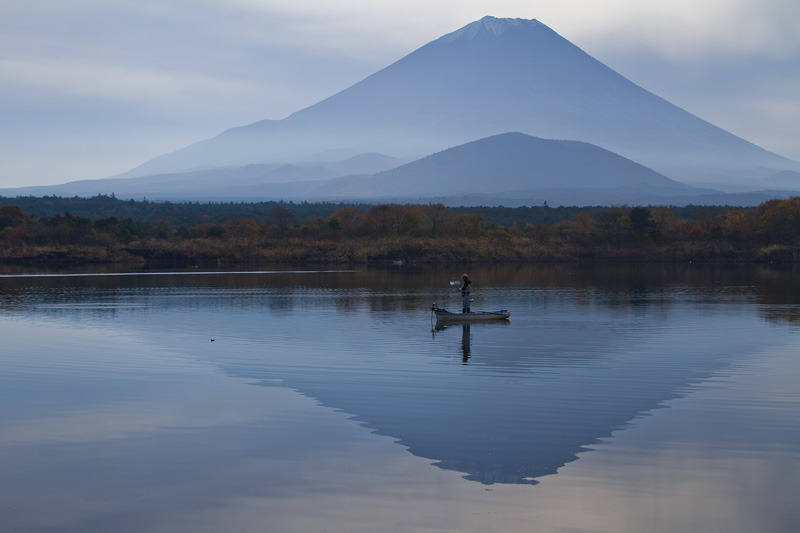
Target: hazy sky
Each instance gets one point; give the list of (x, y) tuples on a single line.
[(92, 88)]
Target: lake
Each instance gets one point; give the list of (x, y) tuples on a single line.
[(617, 398)]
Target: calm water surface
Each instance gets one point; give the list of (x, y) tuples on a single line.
[(616, 399)]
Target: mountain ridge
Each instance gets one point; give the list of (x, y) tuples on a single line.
[(511, 169), (498, 166), (507, 162), (489, 77)]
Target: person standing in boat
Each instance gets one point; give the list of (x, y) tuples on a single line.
[(466, 282)]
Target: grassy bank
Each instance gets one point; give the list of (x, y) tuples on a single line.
[(370, 251)]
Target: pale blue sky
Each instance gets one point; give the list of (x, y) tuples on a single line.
[(92, 88)]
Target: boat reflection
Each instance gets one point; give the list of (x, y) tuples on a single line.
[(465, 348), (465, 343)]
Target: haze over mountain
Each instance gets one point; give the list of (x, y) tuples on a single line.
[(495, 169), (255, 181), (491, 77), (785, 179), (511, 169)]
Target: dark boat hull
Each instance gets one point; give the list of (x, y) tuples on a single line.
[(477, 316)]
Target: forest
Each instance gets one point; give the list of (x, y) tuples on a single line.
[(53, 231)]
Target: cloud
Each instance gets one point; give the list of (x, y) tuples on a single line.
[(80, 76), (167, 89), (150, 50), (681, 28), (685, 29)]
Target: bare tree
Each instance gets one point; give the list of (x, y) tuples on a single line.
[(437, 217), (609, 222), (283, 215)]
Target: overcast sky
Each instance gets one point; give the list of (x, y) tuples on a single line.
[(92, 88)]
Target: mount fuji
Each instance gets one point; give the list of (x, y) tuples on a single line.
[(491, 77)]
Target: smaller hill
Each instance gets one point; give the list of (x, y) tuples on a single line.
[(786, 179), (509, 164)]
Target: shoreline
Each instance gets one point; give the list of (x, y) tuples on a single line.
[(386, 253)]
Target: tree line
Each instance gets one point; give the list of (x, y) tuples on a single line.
[(341, 233), (180, 214)]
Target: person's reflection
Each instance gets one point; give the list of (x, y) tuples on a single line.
[(465, 339)]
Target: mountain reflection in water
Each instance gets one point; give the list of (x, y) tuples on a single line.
[(539, 395), (587, 349)]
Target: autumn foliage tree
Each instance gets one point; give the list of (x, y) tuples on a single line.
[(466, 224), (610, 223), (348, 220), (436, 218), (11, 216), (779, 220), (243, 230)]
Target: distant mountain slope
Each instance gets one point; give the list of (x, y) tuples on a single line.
[(239, 182), (369, 163), (492, 76), (503, 164), (786, 179), (511, 169)]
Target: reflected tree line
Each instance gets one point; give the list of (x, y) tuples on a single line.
[(433, 233), (620, 287)]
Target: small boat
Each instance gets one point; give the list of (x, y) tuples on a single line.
[(444, 315)]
